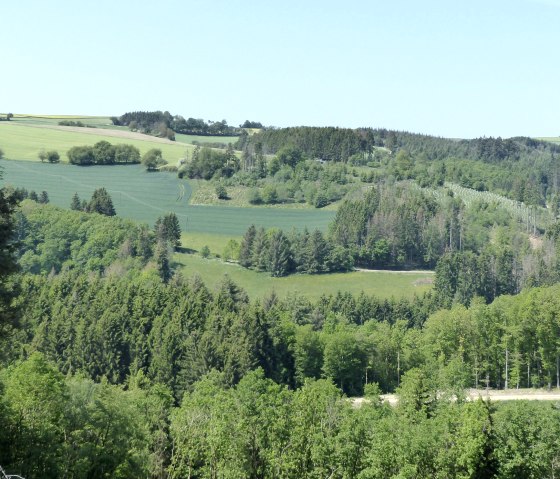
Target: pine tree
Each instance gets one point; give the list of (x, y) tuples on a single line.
[(101, 203), (162, 262), (279, 254), (76, 204), (259, 251), (318, 252), (44, 197), (172, 229), (246, 250)]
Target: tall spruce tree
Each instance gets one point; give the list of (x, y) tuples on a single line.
[(76, 204), (279, 254), (101, 203), (246, 250)]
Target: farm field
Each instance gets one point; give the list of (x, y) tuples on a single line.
[(52, 120), (24, 141), (259, 285), (144, 196)]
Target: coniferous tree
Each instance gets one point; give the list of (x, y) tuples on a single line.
[(44, 197), (260, 250), (279, 254), (246, 250), (101, 203), (76, 204), (172, 229), (162, 262)]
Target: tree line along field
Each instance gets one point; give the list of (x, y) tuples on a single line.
[(25, 135)]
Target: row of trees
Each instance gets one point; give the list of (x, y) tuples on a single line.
[(280, 254), (103, 153), (101, 202), (165, 124)]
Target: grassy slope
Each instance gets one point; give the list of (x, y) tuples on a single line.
[(21, 141), (259, 285)]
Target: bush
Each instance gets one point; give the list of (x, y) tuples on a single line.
[(152, 159), (53, 156), (321, 200), (81, 155), (205, 252), (221, 192), (270, 195), (127, 154), (255, 196)]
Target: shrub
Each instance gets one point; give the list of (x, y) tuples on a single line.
[(81, 155), (255, 196), (221, 192), (53, 156), (269, 194)]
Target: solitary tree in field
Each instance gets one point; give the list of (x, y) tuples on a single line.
[(42, 155)]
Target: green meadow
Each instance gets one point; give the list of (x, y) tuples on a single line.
[(259, 285), (21, 141), (144, 196)]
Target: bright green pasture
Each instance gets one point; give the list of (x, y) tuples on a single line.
[(258, 285), (23, 142), (195, 240), (144, 196)]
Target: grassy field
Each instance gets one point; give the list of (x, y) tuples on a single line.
[(205, 139), (551, 139), (259, 285), (196, 240), (21, 141), (96, 121), (144, 196)]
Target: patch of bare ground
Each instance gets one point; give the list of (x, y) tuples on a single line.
[(536, 242), (490, 394), (414, 271)]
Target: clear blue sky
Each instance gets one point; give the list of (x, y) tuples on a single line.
[(448, 68)]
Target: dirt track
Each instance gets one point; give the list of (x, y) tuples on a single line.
[(415, 271), (474, 394), (130, 135)]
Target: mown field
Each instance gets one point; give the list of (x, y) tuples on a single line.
[(258, 285), (144, 196), (23, 141)]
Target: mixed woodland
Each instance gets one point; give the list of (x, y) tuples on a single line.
[(115, 365)]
